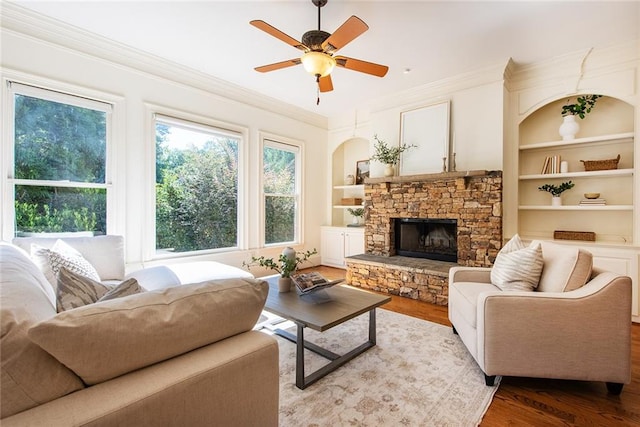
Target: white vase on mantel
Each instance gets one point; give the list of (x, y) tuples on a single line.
[(388, 170), (569, 128), (556, 201)]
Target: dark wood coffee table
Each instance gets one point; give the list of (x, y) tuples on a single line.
[(321, 311)]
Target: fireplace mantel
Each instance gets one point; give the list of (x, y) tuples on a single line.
[(428, 177)]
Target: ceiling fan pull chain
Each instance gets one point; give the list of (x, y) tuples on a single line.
[(318, 89)]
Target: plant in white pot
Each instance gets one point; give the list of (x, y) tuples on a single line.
[(556, 191), (285, 265), (583, 106), (357, 214), (390, 156)]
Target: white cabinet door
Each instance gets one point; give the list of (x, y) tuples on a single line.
[(353, 242), (332, 251)]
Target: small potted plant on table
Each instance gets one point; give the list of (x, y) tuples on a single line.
[(556, 191), (285, 265)]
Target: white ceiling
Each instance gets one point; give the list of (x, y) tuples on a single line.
[(434, 39)]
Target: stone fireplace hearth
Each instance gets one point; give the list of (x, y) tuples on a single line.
[(472, 199)]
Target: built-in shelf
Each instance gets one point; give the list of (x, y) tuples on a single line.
[(349, 187), (609, 139), (347, 206), (575, 208), (590, 174)]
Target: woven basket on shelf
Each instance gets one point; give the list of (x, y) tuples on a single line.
[(601, 165), (588, 236)]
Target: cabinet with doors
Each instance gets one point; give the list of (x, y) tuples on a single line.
[(340, 242)]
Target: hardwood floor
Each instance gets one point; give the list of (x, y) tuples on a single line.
[(541, 402)]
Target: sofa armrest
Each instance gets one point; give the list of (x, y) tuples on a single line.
[(470, 274), (582, 334), (231, 382)]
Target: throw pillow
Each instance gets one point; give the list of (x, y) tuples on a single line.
[(75, 290), (566, 268), (61, 255), (110, 338), (517, 267)]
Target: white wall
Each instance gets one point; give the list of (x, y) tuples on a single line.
[(56, 58)]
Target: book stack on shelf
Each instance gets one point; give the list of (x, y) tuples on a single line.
[(593, 202), (551, 164)]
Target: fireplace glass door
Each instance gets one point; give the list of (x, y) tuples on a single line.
[(427, 238)]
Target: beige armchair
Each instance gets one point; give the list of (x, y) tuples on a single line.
[(582, 334)]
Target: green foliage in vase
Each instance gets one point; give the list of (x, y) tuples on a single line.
[(283, 265), (556, 190), (358, 212), (388, 155), (583, 106)]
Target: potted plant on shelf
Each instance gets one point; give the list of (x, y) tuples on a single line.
[(583, 106), (390, 156), (357, 214), (556, 191), (285, 265)]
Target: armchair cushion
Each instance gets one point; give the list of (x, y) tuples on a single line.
[(517, 266), (566, 268)]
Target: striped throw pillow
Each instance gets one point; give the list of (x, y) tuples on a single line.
[(518, 267)]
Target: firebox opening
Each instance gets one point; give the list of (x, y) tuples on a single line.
[(427, 238)]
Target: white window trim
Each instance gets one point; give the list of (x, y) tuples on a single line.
[(297, 147), (201, 124), (23, 83)]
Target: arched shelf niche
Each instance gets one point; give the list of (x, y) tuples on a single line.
[(343, 163), (605, 133)]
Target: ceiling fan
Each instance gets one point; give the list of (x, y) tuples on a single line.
[(319, 47)]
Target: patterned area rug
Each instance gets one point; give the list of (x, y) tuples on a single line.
[(418, 374)]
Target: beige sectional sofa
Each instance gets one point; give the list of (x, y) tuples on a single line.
[(176, 356)]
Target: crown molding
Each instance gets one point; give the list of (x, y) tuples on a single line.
[(442, 88), (29, 23), (569, 69)]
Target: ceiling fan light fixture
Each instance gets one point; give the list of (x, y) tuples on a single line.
[(318, 63)]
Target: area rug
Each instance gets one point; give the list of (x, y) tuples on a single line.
[(418, 374)]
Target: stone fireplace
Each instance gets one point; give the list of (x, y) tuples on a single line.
[(454, 218)]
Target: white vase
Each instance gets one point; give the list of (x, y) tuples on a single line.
[(569, 128), (556, 201), (388, 170), (284, 284), (355, 220)]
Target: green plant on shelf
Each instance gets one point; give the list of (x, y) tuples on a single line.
[(357, 212), (557, 190), (583, 106)]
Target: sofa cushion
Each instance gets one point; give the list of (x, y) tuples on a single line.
[(166, 276), (30, 375), (75, 290), (566, 268), (107, 339), (61, 255), (464, 297), (517, 267), (104, 253)]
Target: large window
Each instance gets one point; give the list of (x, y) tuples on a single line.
[(281, 188), (59, 152), (196, 186)]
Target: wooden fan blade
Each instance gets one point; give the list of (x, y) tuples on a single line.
[(325, 84), (279, 65), (362, 66), (269, 29), (348, 31)]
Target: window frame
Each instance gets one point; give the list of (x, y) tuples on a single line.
[(205, 124), (15, 83), (297, 147)]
